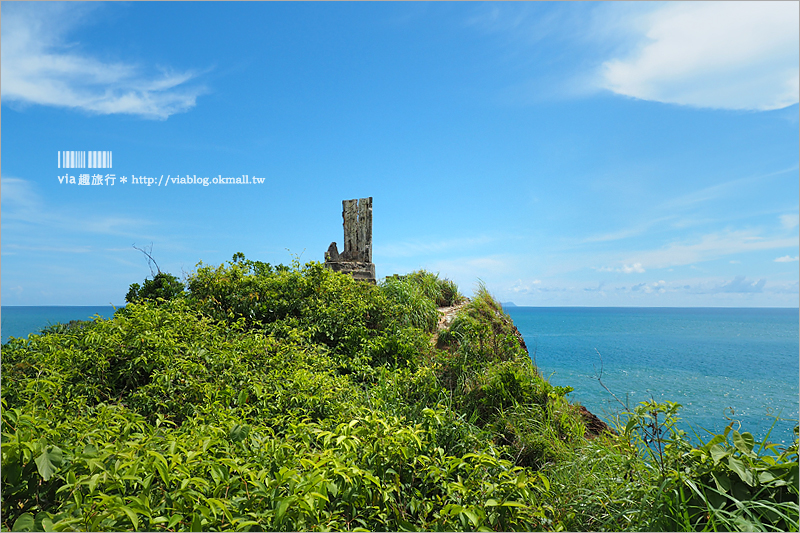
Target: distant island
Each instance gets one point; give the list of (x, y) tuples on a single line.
[(508, 304)]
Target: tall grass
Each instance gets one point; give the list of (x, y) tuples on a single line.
[(442, 291), (419, 309), (652, 478)]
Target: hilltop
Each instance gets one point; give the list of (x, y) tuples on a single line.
[(296, 398)]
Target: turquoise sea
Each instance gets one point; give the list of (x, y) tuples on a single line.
[(22, 320), (716, 362)]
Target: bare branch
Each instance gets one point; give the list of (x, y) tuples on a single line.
[(150, 260), (599, 378)]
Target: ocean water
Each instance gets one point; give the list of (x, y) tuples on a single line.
[(716, 362), (21, 321)]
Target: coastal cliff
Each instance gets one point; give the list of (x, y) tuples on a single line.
[(594, 425)]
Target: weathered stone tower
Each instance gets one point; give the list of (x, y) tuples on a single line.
[(356, 259)]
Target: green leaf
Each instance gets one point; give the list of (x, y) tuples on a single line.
[(722, 481), (239, 432), (718, 453), (25, 522), (372, 478), (744, 442), (472, 516), (132, 515), (242, 398), (93, 482), (89, 450), (765, 476), (47, 463), (513, 504), (174, 520), (545, 482), (281, 510), (43, 522), (741, 492), (739, 467), (197, 523), (716, 440), (715, 499)]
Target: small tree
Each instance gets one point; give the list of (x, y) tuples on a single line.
[(163, 285)]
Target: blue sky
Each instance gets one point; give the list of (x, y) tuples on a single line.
[(597, 154)]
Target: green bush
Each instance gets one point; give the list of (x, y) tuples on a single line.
[(164, 286)]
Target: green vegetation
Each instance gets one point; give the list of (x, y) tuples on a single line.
[(164, 286), (294, 398)]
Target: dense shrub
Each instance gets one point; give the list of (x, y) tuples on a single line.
[(164, 286), (294, 398)]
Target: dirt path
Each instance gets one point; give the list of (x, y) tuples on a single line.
[(448, 314)]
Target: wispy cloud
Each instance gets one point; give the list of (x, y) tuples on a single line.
[(787, 259), (721, 190), (708, 247), (467, 270), (21, 203), (740, 284), (526, 287), (726, 55), (635, 268), (790, 221), (19, 199), (59, 249), (657, 287), (40, 66), (626, 233), (416, 247)]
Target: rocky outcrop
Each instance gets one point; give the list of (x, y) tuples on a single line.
[(356, 259), (594, 426)]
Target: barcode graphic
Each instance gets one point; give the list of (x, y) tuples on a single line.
[(91, 159)]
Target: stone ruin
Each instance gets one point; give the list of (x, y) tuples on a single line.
[(356, 259)]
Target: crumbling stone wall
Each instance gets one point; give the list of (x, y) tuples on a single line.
[(356, 259)]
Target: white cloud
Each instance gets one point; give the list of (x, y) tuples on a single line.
[(740, 284), (40, 67), (708, 247), (625, 269), (786, 259), (630, 269), (659, 287), (522, 287), (790, 221), (728, 55)]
